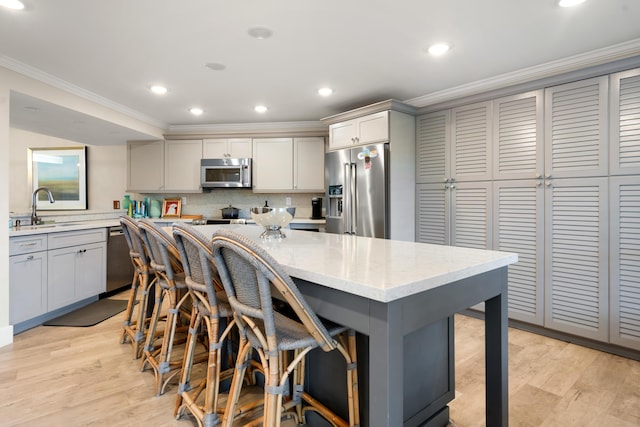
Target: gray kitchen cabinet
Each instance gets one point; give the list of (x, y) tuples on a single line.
[(76, 266), (576, 256), (145, 166), (458, 214), (576, 119), (518, 128), (182, 166), (369, 129), (27, 277), (624, 259), (471, 128), (288, 165), (624, 153), (518, 224), (219, 148), (565, 194)]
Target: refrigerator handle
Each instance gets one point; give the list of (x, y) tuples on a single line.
[(352, 199), (346, 212)]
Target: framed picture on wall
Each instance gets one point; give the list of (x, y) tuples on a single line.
[(62, 170), (171, 208)]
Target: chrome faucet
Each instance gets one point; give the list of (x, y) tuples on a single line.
[(34, 217)]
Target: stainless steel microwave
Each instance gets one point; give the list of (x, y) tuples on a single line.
[(225, 173)]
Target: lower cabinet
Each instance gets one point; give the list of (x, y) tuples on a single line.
[(50, 271), (75, 273), (28, 290)]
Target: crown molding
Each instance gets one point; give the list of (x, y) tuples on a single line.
[(554, 68), (64, 85), (306, 128)]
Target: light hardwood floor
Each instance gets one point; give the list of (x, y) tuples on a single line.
[(58, 376)]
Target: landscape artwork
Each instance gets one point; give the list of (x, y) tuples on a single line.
[(64, 172)]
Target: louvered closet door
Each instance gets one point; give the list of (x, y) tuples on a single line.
[(518, 218), (625, 123), (576, 257), (625, 261), (432, 147), (432, 213), (517, 136), (471, 137), (471, 215), (575, 129)]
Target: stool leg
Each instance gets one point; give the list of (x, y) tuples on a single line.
[(128, 313), (187, 362)]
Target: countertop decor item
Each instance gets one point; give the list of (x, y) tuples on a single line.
[(273, 220), (64, 171), (155, 209), (171, 208)]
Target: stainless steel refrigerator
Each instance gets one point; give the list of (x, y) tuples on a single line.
[(357, 191)]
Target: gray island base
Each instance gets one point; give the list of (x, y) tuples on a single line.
[(400, 297)]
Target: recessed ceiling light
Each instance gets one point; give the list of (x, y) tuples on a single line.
[(12, 4), (260, 109), (569, 3), (260, 32), (216, 66), (325, 91), (438, 49), (196, 111), (158, 90)]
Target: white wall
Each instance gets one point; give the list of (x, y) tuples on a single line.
[(6, 330), (10, 80), (106, 170)]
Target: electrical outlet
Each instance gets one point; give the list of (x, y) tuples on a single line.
[(287, 201), (184, 201)]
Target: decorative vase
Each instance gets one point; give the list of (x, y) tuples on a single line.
[(154, 209), (126, 202)]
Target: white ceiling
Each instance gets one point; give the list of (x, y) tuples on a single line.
[(366, 50)]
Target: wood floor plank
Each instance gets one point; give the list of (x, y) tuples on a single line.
[(66, 376)]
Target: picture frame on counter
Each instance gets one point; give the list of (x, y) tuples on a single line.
[(62, 170), (171, 208)]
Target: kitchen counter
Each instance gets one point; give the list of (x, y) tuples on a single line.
[(400, 297), (379, 269), (26, 230)]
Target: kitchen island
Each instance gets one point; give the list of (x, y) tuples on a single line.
[(400, 297)]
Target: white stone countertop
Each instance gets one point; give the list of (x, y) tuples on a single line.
[(26, 230), (379, 269)]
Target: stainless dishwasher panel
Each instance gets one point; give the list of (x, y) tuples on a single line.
[(119, 266)]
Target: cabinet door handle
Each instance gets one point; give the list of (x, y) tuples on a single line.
[(30, 257)]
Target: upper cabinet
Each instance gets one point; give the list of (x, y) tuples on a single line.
[(182, 165), (145, 166), (625, 123), (164, 166), (219, 148), (288, 165), (517, 136), (576, 129), (359, 131)]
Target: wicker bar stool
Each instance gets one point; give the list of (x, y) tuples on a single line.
[(134, 329), (210, 307), (171, 290), (248, 273)]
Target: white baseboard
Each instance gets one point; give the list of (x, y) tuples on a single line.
[(6, 335)]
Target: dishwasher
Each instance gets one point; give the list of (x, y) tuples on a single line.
[(119, 266)]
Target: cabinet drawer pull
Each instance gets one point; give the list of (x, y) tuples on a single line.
[(26, 245), (30, 257)]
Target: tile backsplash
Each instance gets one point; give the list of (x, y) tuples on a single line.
[(209, 204)]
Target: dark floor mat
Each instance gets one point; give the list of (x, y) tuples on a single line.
[(91, 314)]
